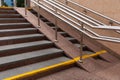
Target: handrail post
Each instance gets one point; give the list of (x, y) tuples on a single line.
[(38, 16), (81, 43), (56, 29), (14, 3), (25, 4)]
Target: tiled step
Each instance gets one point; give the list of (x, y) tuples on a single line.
[(58, 29), (15, 25), (10, 16), (27, 68), (21, 38), (63, 33), (85, 48), (8, 12), (24, 47), (12, 20), (29, 58), (50, 24), (44, 20), (22, 31), (73, 40)]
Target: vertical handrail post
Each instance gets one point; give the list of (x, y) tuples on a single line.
[(81, 43), (56, 29), (14, 3), (38, 15), (25, 3)]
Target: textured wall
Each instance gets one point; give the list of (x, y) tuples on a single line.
[(110, 8)]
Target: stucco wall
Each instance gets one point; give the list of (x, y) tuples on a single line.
[(110, 8)]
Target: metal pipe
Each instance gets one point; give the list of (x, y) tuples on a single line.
[(112, 39), (15, 3), (81, 43), (38, 16), (25, 4), (56, 29)]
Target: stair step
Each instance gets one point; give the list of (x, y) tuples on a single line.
[(53, 27), (73, 40), (12, 20), (6, 8), (8, 12), (21, 38), (15, 25), (24, 47), (29, 58), (64, 34), (44, 20), (27, 68), (22, 31), (10, 16), (50, 24)]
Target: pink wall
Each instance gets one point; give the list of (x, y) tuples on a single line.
[(110, 8)]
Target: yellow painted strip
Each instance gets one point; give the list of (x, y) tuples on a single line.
[(6, 7), (91, 55), (69, 62), (21, 76)]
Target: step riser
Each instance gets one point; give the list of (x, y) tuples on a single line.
[(7, 12), (73, 41), (44, 20), (10, 16), (17, 33), (6, 9), (22, 40), (65, 35), (24, 49), (15, 26), (12, 21), (57, 29), (50, 24), (29, 61)]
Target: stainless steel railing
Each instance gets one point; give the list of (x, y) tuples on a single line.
[(83, 25), (94, 12)]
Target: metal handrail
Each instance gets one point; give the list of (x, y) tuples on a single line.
[(75, 12), (84, 30), (73, 15), (94, 37), (85, 23), (94, 12)]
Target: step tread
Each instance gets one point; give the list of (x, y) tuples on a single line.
[(21, 29), (21, 36), (28, 55), (62, 32), (70, 38), (23, 45), (12, 24), (23, 69)]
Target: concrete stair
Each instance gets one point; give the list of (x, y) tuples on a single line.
[(22, 47), (66, 35)]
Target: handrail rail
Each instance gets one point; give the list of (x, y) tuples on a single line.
[(117, 22), (94, 37), (90, 19), (70, 13)]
